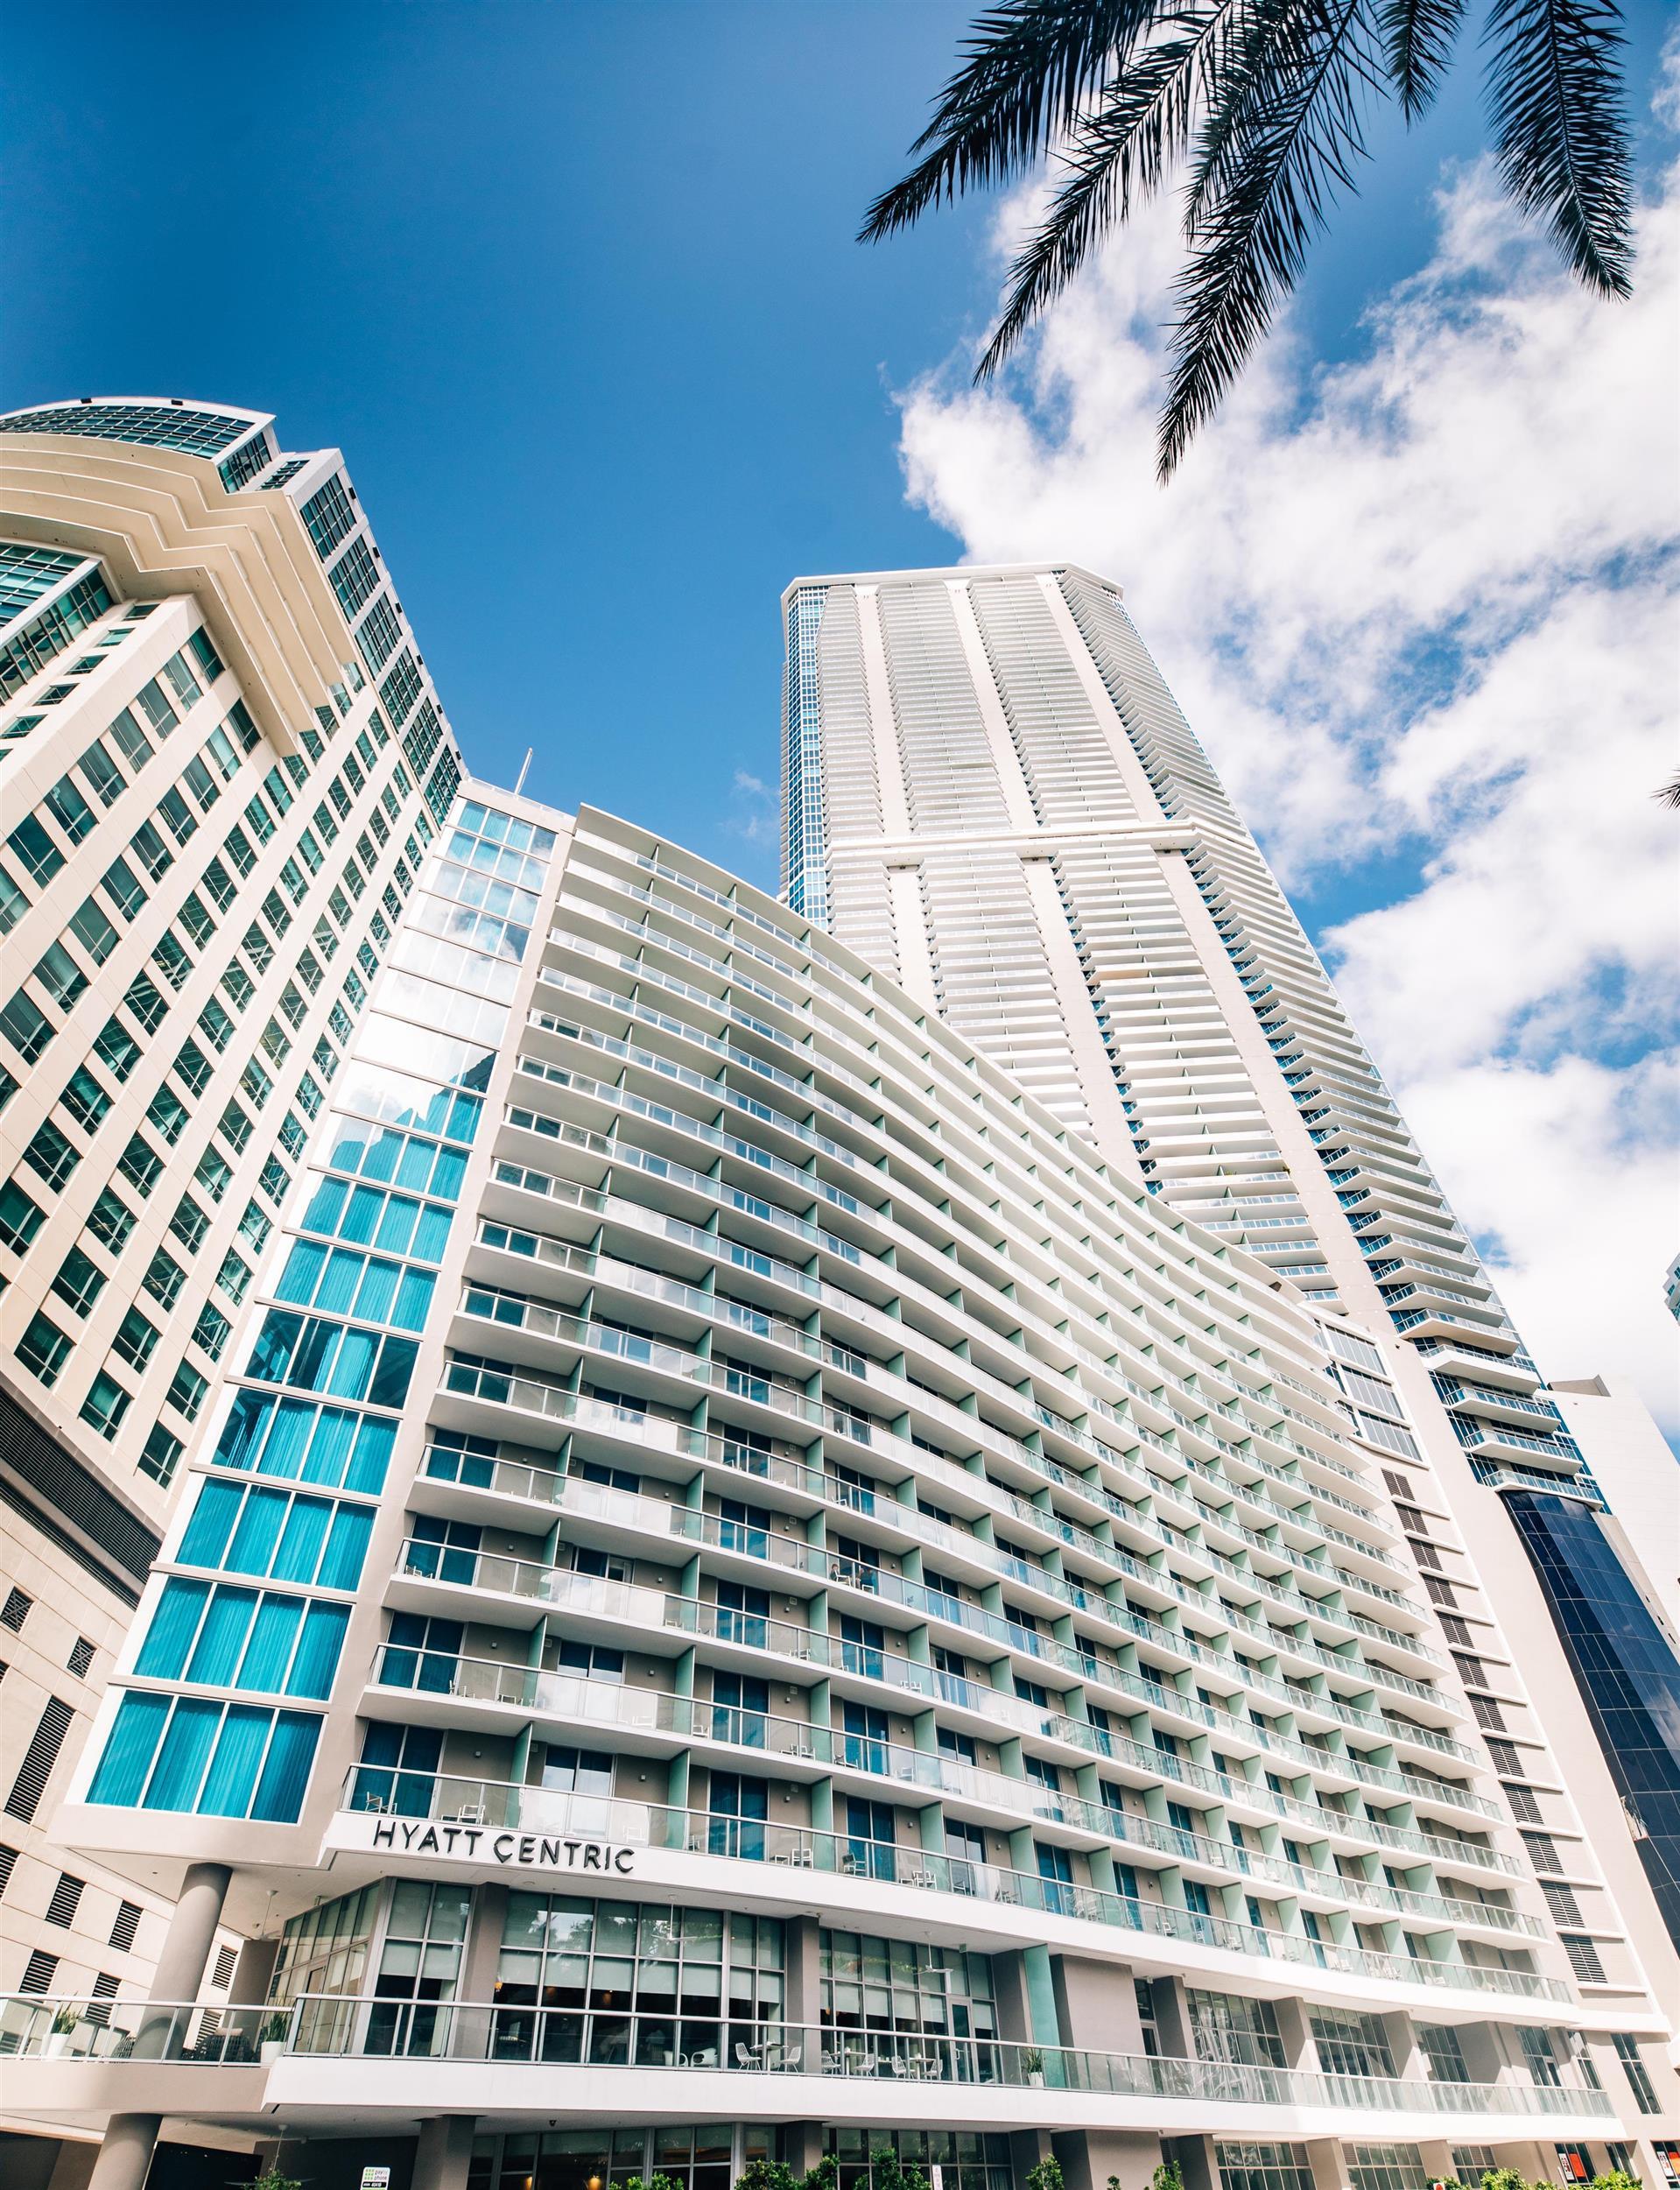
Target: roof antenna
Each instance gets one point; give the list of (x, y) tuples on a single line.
[(524, 764)]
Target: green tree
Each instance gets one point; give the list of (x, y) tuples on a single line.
[(767, 2174), (1046, 2174), (1261, 105)]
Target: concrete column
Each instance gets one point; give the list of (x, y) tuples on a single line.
[(443, 2151), (125, 2154), (186, 1955), (191, 1932)]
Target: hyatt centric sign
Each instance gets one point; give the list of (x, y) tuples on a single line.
[(482, 1843)]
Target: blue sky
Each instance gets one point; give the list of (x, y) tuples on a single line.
[(576, 290)]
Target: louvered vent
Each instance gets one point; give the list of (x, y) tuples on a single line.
[(38, 1759)]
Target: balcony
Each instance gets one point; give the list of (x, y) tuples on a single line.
[(484, 1806), (1002, 2081)]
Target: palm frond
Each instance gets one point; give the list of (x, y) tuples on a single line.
[(1032, 67), (1417, 38), (1294, 143), (1117, 158), (1670, 794), (1263, 40), (1560, 128)]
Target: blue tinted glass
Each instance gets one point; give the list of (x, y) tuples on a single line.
[(447, 1174), (330, 1451), (234, 1767), (135, 1735), (361, 1216), (397, 1225), (205, 1538), (318, 1649), (340, 1568), (222, 1636), (372, 1444), (285, 1774), (396, 1367), (325, 1203), (173, 1625), (431, 1234), (258, 1531), (353, 1370), (299, 1279), (306, 1532), (343, 1274), (243, 1431), (185, 1752), (413, 1298), (378, 1288), (268, 1652)]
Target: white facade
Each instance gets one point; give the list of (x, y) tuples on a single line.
[(991, 792)]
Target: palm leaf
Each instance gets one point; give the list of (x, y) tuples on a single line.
[(1560, 131), (1032, 67), (1117, 158), (1417, 38), (1294, 142)]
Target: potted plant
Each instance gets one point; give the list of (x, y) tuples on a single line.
[(1032, 2064), (56, 2044), (271, 2036)]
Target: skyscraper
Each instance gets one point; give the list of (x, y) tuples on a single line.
[(740, 1591), (991, 794), (211, 822)]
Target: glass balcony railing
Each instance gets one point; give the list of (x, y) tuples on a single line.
[(498, 1805), (505, 2032)]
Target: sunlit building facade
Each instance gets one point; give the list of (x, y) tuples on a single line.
[(742, 1590)]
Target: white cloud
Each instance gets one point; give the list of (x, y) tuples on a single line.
[(1422, 601), (755, 810)]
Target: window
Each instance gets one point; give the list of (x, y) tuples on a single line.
[(67, 1896), (26, 1026), (105, 1405), (327, 516), (189, 1223), (59, 978), (1443, 2053), (80, 1657), (161, 1454), (1584, 1960), (85, 1100), (51, 1155), (111, 1221), (145, 1001), (191, 1753), (37, 854), (1541, 2059), (92, 931), (168, 1114), (141, 1165), (163, 1279), (20, 1219), (134, 1341), (212, 1172), (1639, 2079), (126, 1924), (79, 1283), (70, 810), (16, 1610), (116, 1050), (172, 961), (186, 1393)]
